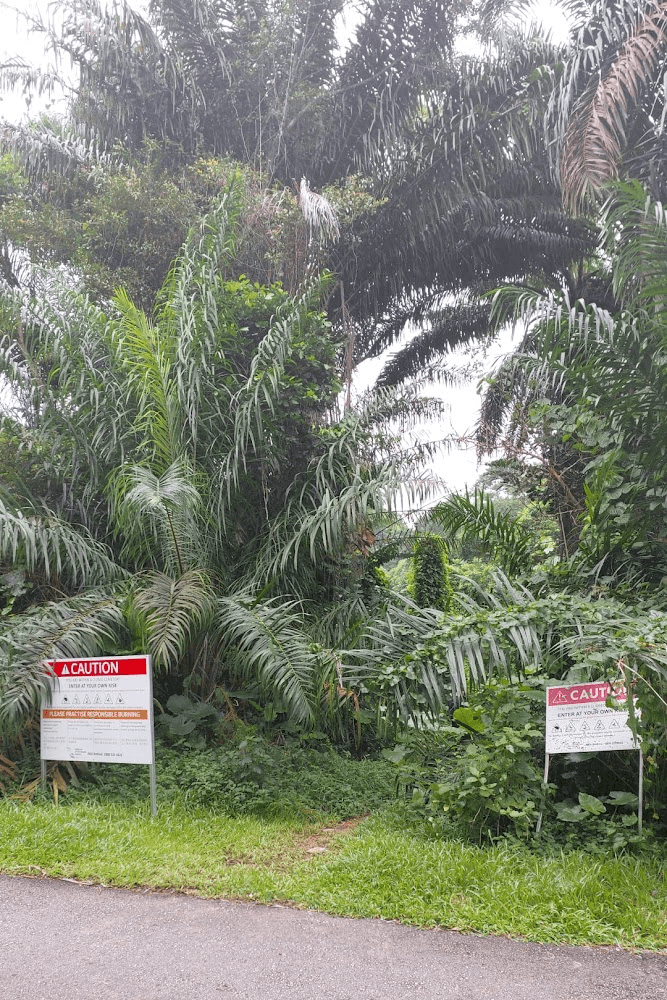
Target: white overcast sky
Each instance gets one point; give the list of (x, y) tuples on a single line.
[(458, 466)]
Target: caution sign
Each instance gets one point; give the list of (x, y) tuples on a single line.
[(580, 721), (100, 710)]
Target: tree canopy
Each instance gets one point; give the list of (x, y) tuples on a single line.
[(440, 163)]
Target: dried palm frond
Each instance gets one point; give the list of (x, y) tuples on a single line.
[(318, 212), (620, 70)]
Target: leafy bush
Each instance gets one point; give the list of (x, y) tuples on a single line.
[(480, 778), (187, 723), (600, 824), (251, 775)]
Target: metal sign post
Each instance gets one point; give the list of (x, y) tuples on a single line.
[(640, 811), (580, 721), (152, 771), (546, 780), (101, 710)]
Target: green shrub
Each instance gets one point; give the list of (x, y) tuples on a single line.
[(187, 723), (482, 777), (431, 585), (250, 775)]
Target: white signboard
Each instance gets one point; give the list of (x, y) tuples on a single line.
[(100, 710), (579, 721)]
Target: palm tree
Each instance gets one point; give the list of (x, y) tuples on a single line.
[(482, 174), (468, 201), (452, 153), (263, 83), (608, 108), (196, 495), (590, 389)]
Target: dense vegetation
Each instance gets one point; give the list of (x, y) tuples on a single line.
[(185, 469)]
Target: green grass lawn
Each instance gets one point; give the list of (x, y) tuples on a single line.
[(377, 869)]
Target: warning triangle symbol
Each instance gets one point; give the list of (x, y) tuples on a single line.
[(119, 699), (86, 700), (76, 699), (570, 728), (559, 699), (64, 671), (599, 724), (108, 699), (584, 727), (613, 724), (98, 700)]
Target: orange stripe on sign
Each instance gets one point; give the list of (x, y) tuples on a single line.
[(94, 713)]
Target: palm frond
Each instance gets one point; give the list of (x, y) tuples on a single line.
[(318, 212), (358, 472), (56, 357), (47, 155), (53, 550), (635, 227), (397, 54), (618, 54), (87, 625), (446, 328), (475, 517), (172, 610), (422, 662), (162, 513), (147, 355), (131, 84), (270, 646), (190, 300)]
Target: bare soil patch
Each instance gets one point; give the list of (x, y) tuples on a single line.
[(324, 839)]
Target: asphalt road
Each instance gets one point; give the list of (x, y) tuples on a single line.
[(64, 941)]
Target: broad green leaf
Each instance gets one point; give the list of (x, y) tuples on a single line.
[(469, 718), (569, 812), (623, 799), (591, 804), (178, 703)]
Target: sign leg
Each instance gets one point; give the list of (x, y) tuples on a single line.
[(546, 779), (640, 811), (153, 789), (43, 773)]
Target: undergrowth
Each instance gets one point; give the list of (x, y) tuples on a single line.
[(243, 776)]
